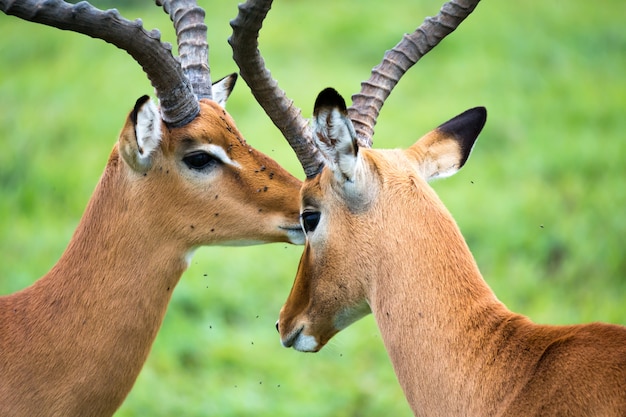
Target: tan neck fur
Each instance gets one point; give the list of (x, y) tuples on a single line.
[(84, 330), (379, 239), (455, 348)]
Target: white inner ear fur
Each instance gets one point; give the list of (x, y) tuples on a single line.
[(147, 132), (221, 89), (336, 139)]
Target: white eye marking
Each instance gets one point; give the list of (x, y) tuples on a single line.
[(219, 153)]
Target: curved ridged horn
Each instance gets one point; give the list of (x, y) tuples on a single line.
[(273, 100), (178, 103), (193, 48), (366, 104), (396, 62)]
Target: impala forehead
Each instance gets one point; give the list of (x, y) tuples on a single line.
[(315, 190), (311, 193), (325, 191), (212, 125)]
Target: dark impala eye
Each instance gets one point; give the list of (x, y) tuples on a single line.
[(199, 160), (310, 219)]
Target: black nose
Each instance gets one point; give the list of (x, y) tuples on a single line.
[(277, 326)]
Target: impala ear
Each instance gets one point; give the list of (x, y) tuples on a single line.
[(141, 135), (336, 139), (334, 134), (221, 89), (443, 151)]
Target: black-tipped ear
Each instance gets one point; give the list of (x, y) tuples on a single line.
[(229, 81), (466, 127), (138, 104), (333, 134), (222, 88), (329, 97)]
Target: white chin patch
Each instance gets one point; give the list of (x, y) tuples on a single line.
[(189, 256), (296, 236), (305, 343), (239, 243)]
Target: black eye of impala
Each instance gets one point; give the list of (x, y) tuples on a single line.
[(310, 219), (199, 160)]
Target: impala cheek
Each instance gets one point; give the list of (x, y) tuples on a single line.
[(349, 315)]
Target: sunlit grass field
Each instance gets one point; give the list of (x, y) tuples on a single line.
[(540, 202)]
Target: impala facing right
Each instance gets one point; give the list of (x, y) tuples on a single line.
[(379, 240)]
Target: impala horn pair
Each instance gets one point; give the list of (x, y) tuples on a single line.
[(366, 104), (178, 85)]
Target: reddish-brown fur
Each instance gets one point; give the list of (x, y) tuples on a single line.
[(385, 243), (73, 343)]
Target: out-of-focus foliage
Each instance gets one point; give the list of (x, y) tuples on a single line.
[(541, 201)]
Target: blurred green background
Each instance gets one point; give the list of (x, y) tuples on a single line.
[(541, 201)]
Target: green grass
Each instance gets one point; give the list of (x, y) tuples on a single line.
[(541, 201)]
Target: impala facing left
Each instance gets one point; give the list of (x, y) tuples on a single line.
[(380, 241)]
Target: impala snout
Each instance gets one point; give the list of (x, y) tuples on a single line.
[(303, 329), (297, 337), (294, 233)]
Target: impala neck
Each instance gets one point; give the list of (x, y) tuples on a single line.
[(433, 308), (92, 319)]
